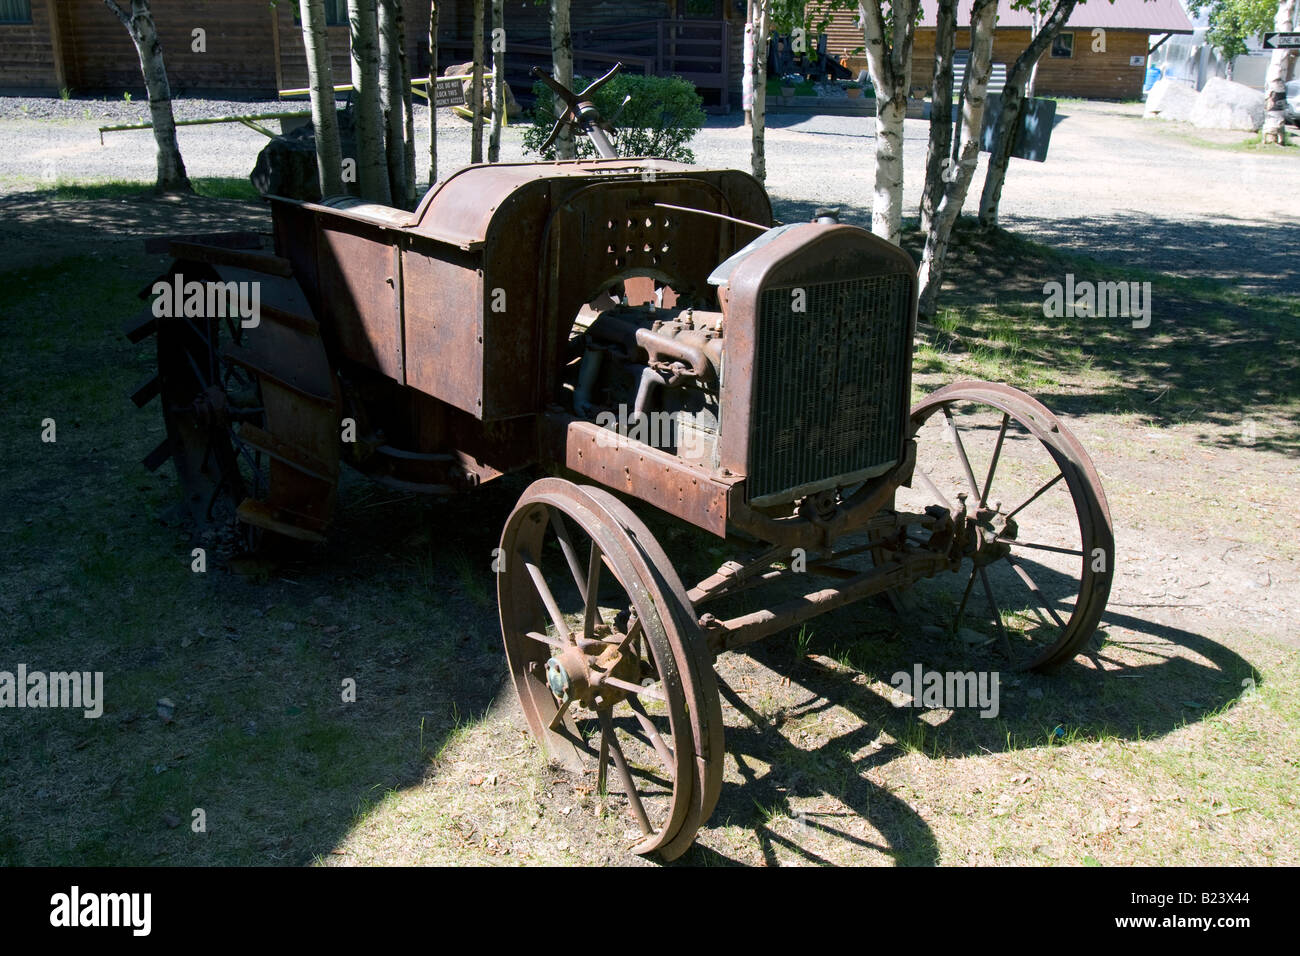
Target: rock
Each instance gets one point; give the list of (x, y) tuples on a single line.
[(286, 166), (1227, 105), (1170, 100)]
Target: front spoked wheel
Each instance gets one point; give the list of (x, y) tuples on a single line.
[(1038, 544), (590, 645)]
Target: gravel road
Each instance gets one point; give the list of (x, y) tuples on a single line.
[(1116, 187)]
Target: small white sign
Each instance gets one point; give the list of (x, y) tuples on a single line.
[(1137, 60)]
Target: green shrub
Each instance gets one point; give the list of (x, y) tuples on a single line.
[(659, 121)]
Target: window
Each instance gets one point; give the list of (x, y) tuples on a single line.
[(1063, 46), (336, 13), (15, 11)]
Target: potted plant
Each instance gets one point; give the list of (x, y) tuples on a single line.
[(853, 90), (789, 83)]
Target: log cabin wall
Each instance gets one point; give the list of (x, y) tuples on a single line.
[(1105, 75), (251, 48), (27, 60), (1102, 75)]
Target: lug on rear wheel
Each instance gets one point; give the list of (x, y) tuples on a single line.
[(1039, 550), (597, 653)]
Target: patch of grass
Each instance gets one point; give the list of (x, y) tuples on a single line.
[(212, 187)]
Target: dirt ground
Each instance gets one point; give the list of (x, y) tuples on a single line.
[(1176, 740)]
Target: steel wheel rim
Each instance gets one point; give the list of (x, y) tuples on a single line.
[(700, 685), (1022, 418), (628, 756)]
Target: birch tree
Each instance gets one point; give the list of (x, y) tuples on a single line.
[(562, 63), (758, 28), (889, 27), (974, 92), (390, 100), (937, 159), (498, 79), (324, 113), (476, 89), (139, 24), (433, 92), (372, 168), (408, 110), (1274, 130), (1013, 106)]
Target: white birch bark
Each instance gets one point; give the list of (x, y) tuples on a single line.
[(433, 92), (1013, 102), (372, 169), (940, 145), (974, 93), (1274, 129), (759, 29), (408, 110), (324, 112), (390, 99), (889, 61), (139, 24), (476, 88), (498, 79), (562, 61)]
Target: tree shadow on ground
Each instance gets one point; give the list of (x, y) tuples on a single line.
[(1182, 677)]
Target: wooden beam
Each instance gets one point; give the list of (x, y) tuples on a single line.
[(1159, 43)]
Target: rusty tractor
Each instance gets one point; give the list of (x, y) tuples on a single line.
[(642, 332)]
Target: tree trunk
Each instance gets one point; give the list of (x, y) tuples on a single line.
[(889, 60), (940, 112), (1013, 105), (562, 60), (759, 27), (498, 79), (390, 100), (433, 92), (372, 169), (747, 71), (1035, 21), (974, 92), (324, 112), (476, 89), (139, 24), (1274, 130), (408, 110)]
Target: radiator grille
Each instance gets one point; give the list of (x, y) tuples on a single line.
[(830, 383)]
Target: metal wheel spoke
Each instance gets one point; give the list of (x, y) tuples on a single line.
[(632, 634), (558, 719), (961, 451), (602, 765), (1036, 590), (545, 639), (934, 490), (548, 599), (1016, 542), (997, 616), (620, 764), (570, 553), (654, 693), (961, 608), (993, 463), (1034, 497), (656, 740), (591, 593)]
